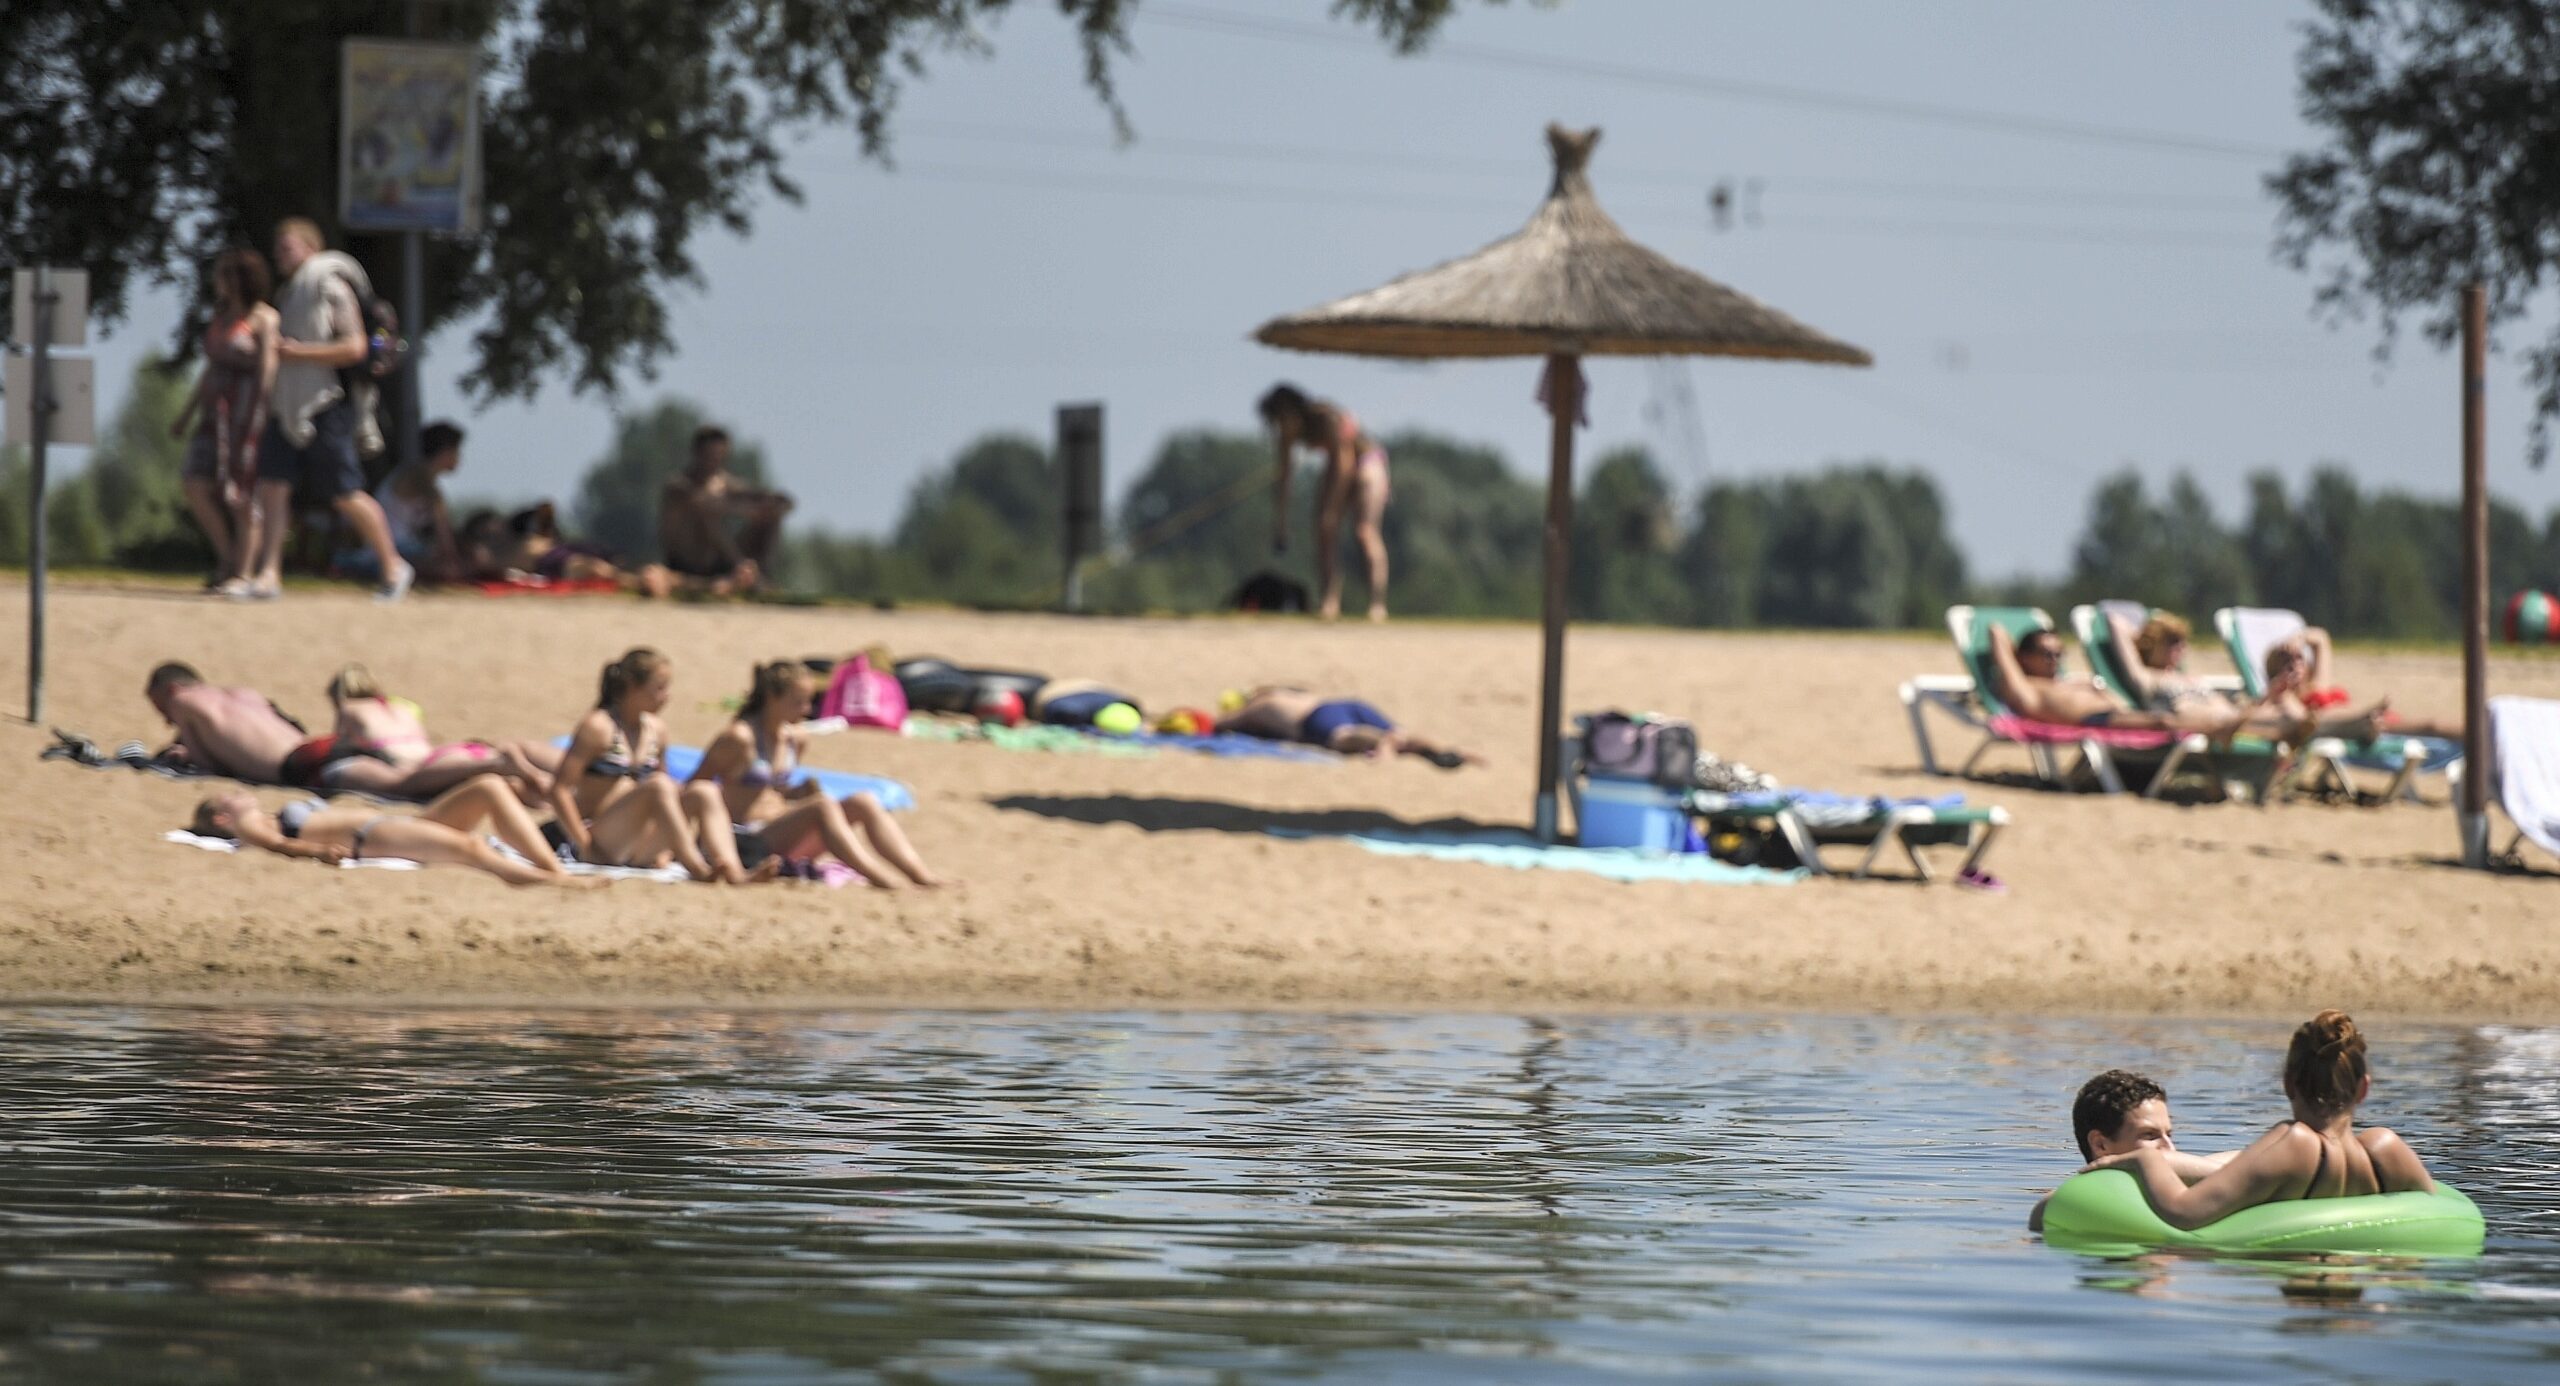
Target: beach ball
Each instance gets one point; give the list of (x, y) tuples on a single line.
[(2533, 618), (1118, 719), (1001, 706)]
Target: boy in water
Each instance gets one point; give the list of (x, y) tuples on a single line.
[(2117, 1112)]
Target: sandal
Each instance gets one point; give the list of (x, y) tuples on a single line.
[(1975, 878)]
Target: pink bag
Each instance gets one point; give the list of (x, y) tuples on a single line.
[(864, 696)]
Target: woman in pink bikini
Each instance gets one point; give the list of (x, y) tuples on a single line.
[(382, 747), (1355, 482), (225, 412)]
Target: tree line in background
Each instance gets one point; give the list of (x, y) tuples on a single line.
[(1855, 546)]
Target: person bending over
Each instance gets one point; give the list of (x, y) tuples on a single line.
[(228, 731), (715, 532), (2319, 1153), (444, 833), (2119, 1111), (754, 763), (1354, 484), (614, 803), (1344, 725)]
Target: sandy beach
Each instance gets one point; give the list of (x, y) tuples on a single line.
[(1095, 881)]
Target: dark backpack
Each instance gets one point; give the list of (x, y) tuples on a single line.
[(1661, 750), (1270, 591), (385, 350)]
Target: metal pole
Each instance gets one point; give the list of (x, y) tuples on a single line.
[(40, 410), (2475, 576), (1564, 402), (409, 411)]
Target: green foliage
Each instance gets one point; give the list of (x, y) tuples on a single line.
[(1625, 540), (2176, 554), (617, 503), (2441, 118), (1852, 546), (125, 506), (141, 137)]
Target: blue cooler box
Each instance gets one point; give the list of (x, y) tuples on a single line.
[(1631, 813)]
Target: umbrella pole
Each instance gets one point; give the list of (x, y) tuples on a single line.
[(1564, 404)]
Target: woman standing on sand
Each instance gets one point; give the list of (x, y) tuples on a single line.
[(615, 803), (1355, 483), (225, 412), (752, 764)]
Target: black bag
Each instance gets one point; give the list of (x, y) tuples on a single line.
[(1270, 591), (385, 350), (1661, 750)]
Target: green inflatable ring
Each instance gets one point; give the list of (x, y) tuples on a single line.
[(2104, 1210)]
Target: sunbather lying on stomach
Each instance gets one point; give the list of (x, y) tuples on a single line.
[(2151, 657), (1344, 725)]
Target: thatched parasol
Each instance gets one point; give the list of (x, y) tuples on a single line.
[(1567, 285)]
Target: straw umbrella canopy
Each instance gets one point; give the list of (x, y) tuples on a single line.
[(1569, 284)]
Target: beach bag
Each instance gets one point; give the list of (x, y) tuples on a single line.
[(864, 696), (1659, 750)]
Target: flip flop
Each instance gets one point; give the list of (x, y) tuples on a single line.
[(1975, 878)]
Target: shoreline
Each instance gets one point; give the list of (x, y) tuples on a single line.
[(1109, 883)]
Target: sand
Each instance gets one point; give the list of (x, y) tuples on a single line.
[(1107, 882)]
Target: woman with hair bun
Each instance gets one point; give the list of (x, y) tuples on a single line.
[(2319, 1153)]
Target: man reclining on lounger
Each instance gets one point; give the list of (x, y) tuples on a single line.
[(1344, 725), (2119, 1111), (2027, 675)]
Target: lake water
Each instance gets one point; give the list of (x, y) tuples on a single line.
[(311, 1195)]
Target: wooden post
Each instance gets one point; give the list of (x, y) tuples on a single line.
[(2475, 577), (40, 409), (1564, 405)]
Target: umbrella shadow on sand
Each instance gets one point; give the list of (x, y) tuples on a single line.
[(1163, 814)]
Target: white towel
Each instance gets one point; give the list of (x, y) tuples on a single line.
[(2524, 740), (664, 875), (2262, 628)]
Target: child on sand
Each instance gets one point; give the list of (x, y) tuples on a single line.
[(444, 833), (2316, 1154)]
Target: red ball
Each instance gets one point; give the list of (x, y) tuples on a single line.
[(1001, 706)]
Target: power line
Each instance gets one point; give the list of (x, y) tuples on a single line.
[(1732, 88), (1332, 198), (1521, 169)]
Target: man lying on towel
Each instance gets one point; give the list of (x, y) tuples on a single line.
[(226, 731), (1344, 725)]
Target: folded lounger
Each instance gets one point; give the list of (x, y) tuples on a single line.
[(2524, 771), (1968, 698), (2249, 632), (2318, 759)]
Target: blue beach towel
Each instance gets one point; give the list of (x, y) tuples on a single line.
[(680, 762), (1522, 852), (1232, 744)]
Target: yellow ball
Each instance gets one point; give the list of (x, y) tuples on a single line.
[(1118, 719)]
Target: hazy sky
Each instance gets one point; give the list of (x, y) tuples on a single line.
[(2047, 303)]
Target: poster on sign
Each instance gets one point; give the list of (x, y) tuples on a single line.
[(409, 137)]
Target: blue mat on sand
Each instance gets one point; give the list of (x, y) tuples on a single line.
[(1231, 744), (1522, 852), (681, 760)]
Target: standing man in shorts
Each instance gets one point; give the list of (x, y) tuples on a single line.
[(312, 424)]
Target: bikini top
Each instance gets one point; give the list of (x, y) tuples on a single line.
[(231, 344), (291, 818), (617, 763), (772, 771)]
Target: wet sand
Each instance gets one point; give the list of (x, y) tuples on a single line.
[(1096, 881)]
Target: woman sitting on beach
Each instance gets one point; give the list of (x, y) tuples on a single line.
[(1348, 726), (383, 748), (753, 764), (444, 833), (615, 804), (2317, 1154)]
